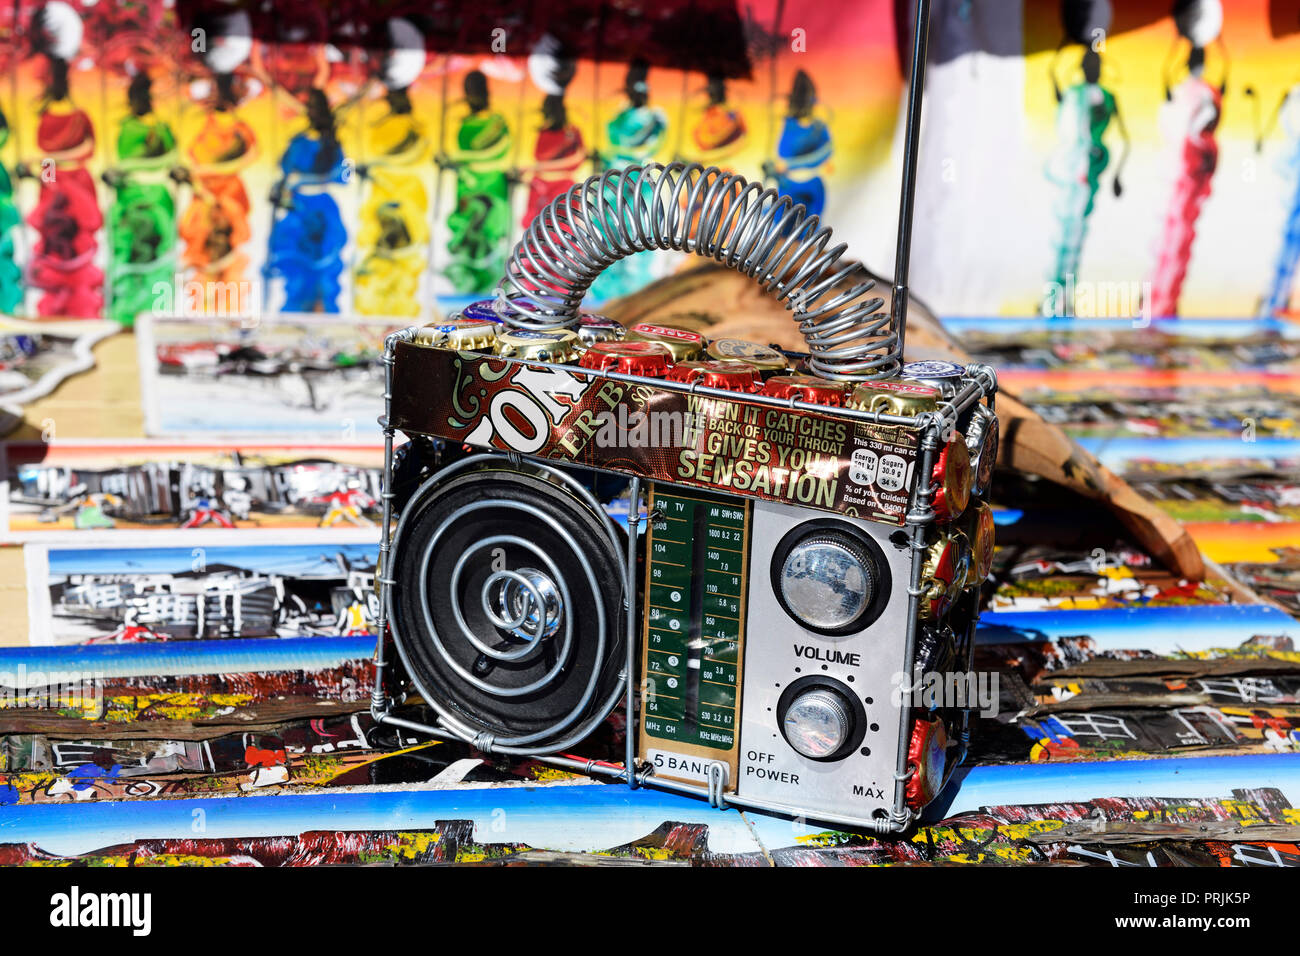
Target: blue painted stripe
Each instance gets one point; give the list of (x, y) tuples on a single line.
[(1206, 777), (581, 817), (1227, 327), (178, 658), (1163, 630), (1116, 452), (558, 817)]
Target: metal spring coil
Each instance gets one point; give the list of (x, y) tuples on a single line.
[(713, 214)]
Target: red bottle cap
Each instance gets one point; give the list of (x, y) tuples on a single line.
[(807, 388), (927, 754), (732, 376), (629, 358)]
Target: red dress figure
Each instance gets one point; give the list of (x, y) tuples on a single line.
[(67, 214), (1198, 106), (559, 153)]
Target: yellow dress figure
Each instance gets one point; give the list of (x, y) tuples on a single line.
[(394, 218)]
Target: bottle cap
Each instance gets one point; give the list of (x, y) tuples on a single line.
[(732, 376), (489, 310), (895, 397), (595, 328), (952, 477), (980, 530), (944, 575), (461, 334), (944, 376), (762, 357), (806, 388), (557, 347), (982, 443), (684, 344), (629, 358), (927, 757)]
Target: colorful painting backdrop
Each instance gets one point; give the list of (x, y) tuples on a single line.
[(251, 158)]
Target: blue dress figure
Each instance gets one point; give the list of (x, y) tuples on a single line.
[(804, 148), (307, 242), (1277, 301)]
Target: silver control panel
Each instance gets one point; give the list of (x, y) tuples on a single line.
[(827, 614)]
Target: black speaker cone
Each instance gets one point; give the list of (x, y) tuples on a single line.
[(508, 607)]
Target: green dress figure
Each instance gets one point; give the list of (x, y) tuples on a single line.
[(480, 224), (11, 277), (1084, 114), (142, 222), (635, 136)]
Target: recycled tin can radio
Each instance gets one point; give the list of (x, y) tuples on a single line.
[(754, 551)]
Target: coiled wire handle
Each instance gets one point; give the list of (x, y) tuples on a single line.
[(717, 215)]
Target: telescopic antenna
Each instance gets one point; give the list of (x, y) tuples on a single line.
[(915, 92)]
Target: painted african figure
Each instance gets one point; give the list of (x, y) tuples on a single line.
[(394, 230), (395, 212), (558, 155), (307, 239), (480, 223), (142, 220), (1193, 114), (803, 149), (66, 216), (215, 225), (11, 278), (720, 132), (634, 136), (1084, 114), (1277, 299)]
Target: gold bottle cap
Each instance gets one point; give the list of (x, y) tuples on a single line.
[(684, 344), (894, 397), (980, 531), (460, 334), (557, 347), (762, 357), (471, 334)]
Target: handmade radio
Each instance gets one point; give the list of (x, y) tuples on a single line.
[(757, 552)]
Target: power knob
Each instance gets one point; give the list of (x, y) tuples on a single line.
[(818, 723)]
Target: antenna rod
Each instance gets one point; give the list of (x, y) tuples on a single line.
[(915, 92)]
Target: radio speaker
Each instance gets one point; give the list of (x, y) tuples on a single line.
[(508, 607)]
